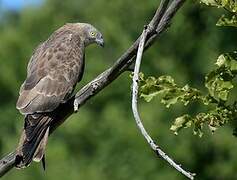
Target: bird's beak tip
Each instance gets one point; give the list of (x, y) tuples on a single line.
[(100, 42)]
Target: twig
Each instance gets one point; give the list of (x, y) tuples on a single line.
[(108, 76), (153, 145)]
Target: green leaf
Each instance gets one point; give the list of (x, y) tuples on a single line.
[(214, 119), (149, 97), (224, 21), (209, 2), (219, 81), (181, 122), (230, 5), (151, 87), (170, 93)]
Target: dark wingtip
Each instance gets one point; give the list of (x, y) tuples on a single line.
[(43, 163)]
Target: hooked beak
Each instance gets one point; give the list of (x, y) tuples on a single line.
[(100, 41)]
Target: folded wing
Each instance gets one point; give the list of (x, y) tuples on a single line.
[(52, 74)]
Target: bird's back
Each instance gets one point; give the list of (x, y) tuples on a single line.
[(52, 72)]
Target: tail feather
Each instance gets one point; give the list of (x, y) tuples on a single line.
[(43, 162), (33, 140), (39, 153)]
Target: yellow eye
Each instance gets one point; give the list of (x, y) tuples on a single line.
[(92, 33)]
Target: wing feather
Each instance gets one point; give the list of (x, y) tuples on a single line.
[(52, 74)]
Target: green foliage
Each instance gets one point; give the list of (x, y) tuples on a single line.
[(226, 21), (228, 5), (168, 90), (219, 83)]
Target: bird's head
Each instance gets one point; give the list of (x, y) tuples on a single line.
[(90, 34)]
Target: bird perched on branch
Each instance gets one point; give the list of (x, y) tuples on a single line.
[(52, 73)]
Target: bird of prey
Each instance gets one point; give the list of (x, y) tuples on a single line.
[(52, 73)]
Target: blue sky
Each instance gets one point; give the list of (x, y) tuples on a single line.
[(17, 4)]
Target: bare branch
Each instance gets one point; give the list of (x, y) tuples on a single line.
[(153, 145), (7, 163), (161, 20)]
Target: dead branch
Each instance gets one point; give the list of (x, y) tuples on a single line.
[(137, 118)]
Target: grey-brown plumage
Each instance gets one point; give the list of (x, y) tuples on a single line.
[(52, 73)]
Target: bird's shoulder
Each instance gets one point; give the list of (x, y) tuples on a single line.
[(52, 73), (61, 55)]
